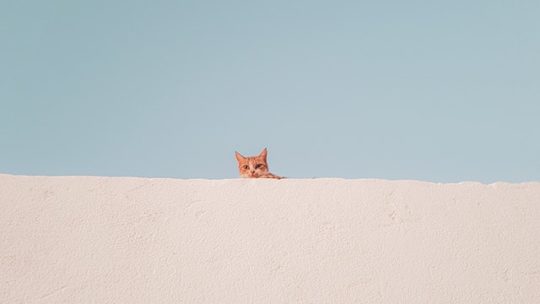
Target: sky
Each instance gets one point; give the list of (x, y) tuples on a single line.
[(443, 91)]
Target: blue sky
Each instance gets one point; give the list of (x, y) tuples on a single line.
[(444, 91)]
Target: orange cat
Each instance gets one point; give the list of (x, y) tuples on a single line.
[(254, 166)]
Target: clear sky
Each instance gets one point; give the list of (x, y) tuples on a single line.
[(444, 91)]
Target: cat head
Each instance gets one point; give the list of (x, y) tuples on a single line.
[(252, 166)]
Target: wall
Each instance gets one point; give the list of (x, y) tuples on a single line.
[(135, 240)]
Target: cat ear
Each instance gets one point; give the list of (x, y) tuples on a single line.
[(263, 153), (239, 157)]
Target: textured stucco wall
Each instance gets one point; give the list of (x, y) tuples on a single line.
[(134, 240)]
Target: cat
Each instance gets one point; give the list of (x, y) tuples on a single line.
[(254, 166)]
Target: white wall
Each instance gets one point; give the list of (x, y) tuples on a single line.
[(133, 240)]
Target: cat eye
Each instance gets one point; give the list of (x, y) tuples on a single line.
[(259, 166), (245, 167)]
